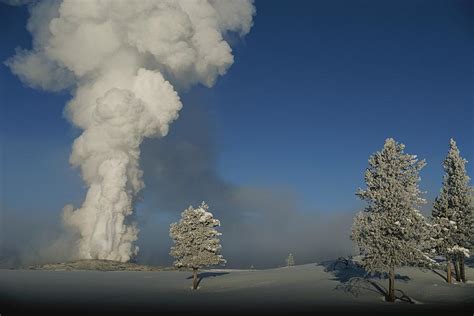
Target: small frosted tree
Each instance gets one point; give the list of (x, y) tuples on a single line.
[(195, 240), (452, 214), (391, 232), (290, 261)]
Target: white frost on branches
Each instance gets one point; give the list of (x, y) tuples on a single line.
[(452, 210), (392, 232), (459, 250), (195, 239)]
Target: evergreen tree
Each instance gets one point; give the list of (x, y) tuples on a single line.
[(290, 261), (195, 239), (452, 214), (391, 232)]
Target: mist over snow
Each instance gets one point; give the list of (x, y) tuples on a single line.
[(259, 225), (124, 62)]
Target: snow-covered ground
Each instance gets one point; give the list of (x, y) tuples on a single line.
[(305, 288)]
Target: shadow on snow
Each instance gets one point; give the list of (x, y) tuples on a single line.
[(354, 278), (204, 275)]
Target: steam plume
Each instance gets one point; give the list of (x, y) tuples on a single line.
[(123, 59)]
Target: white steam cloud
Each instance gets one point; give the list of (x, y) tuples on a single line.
[(123, 59)]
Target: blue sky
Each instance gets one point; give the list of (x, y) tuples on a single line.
[(316, 87)]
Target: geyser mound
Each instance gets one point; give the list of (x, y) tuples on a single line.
[(97, 265)]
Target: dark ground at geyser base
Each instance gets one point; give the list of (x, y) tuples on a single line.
[(313, 289)]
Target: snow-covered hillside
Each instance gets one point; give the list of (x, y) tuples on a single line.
[(305, 288)]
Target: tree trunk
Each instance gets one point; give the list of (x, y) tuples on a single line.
[(456, 268), (448, 273), (195, 279), (462, 270), (391, 286)]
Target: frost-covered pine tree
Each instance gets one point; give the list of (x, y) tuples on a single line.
[(290, 261), (452, 214), (195, 240), (391, 232)]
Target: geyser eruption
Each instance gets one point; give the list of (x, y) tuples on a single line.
[(122, 59)]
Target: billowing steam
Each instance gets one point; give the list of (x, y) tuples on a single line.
[(123, 59)]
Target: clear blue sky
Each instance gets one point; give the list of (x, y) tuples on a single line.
[(316, 87)]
